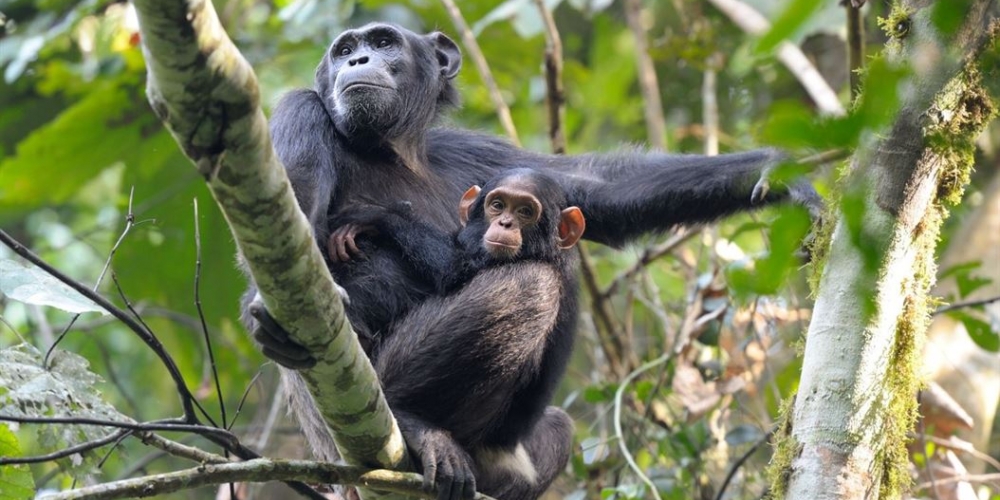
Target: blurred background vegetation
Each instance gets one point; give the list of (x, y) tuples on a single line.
[(716, 312)]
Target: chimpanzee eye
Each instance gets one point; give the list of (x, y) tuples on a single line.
[(496, 205), (344, 51), (383, 43), (526, 212)]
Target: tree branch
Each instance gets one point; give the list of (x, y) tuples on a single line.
[(656, 125), (471, 45), (207, 95), (255, 471)]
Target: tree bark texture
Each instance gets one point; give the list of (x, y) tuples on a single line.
[(844, 436), (207, 95)]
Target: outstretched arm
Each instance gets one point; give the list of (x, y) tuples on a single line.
[(627, 194)]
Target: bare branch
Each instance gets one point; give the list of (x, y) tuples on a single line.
[(471, 45), (256, 471), (656, 125), (964, 305), (855, 47), (554, 95), (201, 315)]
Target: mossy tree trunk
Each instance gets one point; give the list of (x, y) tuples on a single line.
[(207, 95), (845, 434)]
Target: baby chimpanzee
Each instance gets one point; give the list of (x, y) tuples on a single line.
[(473, 368)]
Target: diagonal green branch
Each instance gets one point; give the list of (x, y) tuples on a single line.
[(207, 95)]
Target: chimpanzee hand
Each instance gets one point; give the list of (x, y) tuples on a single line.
[(357, 220), (342, 245), (445, 465), (275, 342), (799, 190)]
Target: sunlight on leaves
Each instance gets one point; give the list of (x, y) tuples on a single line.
[(32, 285)]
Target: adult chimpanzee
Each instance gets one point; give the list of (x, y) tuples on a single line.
[(363, 135), (472, 369)]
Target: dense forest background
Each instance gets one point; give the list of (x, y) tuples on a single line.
[(689, 342)]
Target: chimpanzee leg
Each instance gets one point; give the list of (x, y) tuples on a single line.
[(528, 470)]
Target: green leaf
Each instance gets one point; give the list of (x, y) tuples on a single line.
[(964, 280), (948, 16), (979, 331), (65, 389), (794, 17), (770, 272), (16, 481), (597, 394), (109, 125), (32, 285)]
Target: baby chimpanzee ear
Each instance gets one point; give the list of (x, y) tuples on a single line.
[(571, 227), (465, 206)]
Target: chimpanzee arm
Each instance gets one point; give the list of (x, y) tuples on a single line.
[(303, 137), (628, 193), (631, 193), (429, 251)]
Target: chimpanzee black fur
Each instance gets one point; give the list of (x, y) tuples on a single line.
[(364, 136), (471, 370)]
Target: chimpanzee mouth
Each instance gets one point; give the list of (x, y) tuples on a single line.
[(501, 244), (364, 84)]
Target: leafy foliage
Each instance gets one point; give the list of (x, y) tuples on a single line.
[(65, 388), (76, 136)]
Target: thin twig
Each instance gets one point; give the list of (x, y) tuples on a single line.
[(964, 447), (182, 450), (856, 47), (710, 104), (650, 255), (656, 125), (144, 334), (922, 437), (129, 223), (192, 418), (243, 398), (607, 329), (963, 305), (555, 96), (618, 420), (825, 157), (739, 463), (201, 316), (967, 478), (469, 40), (159, 425), (72, 450)]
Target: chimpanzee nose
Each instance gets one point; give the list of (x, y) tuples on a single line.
[(358, 60)]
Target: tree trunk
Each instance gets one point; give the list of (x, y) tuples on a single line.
[(844, 435)]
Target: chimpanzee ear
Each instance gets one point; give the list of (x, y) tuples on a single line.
[(448, 55), (465, 206), (571, 227)]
